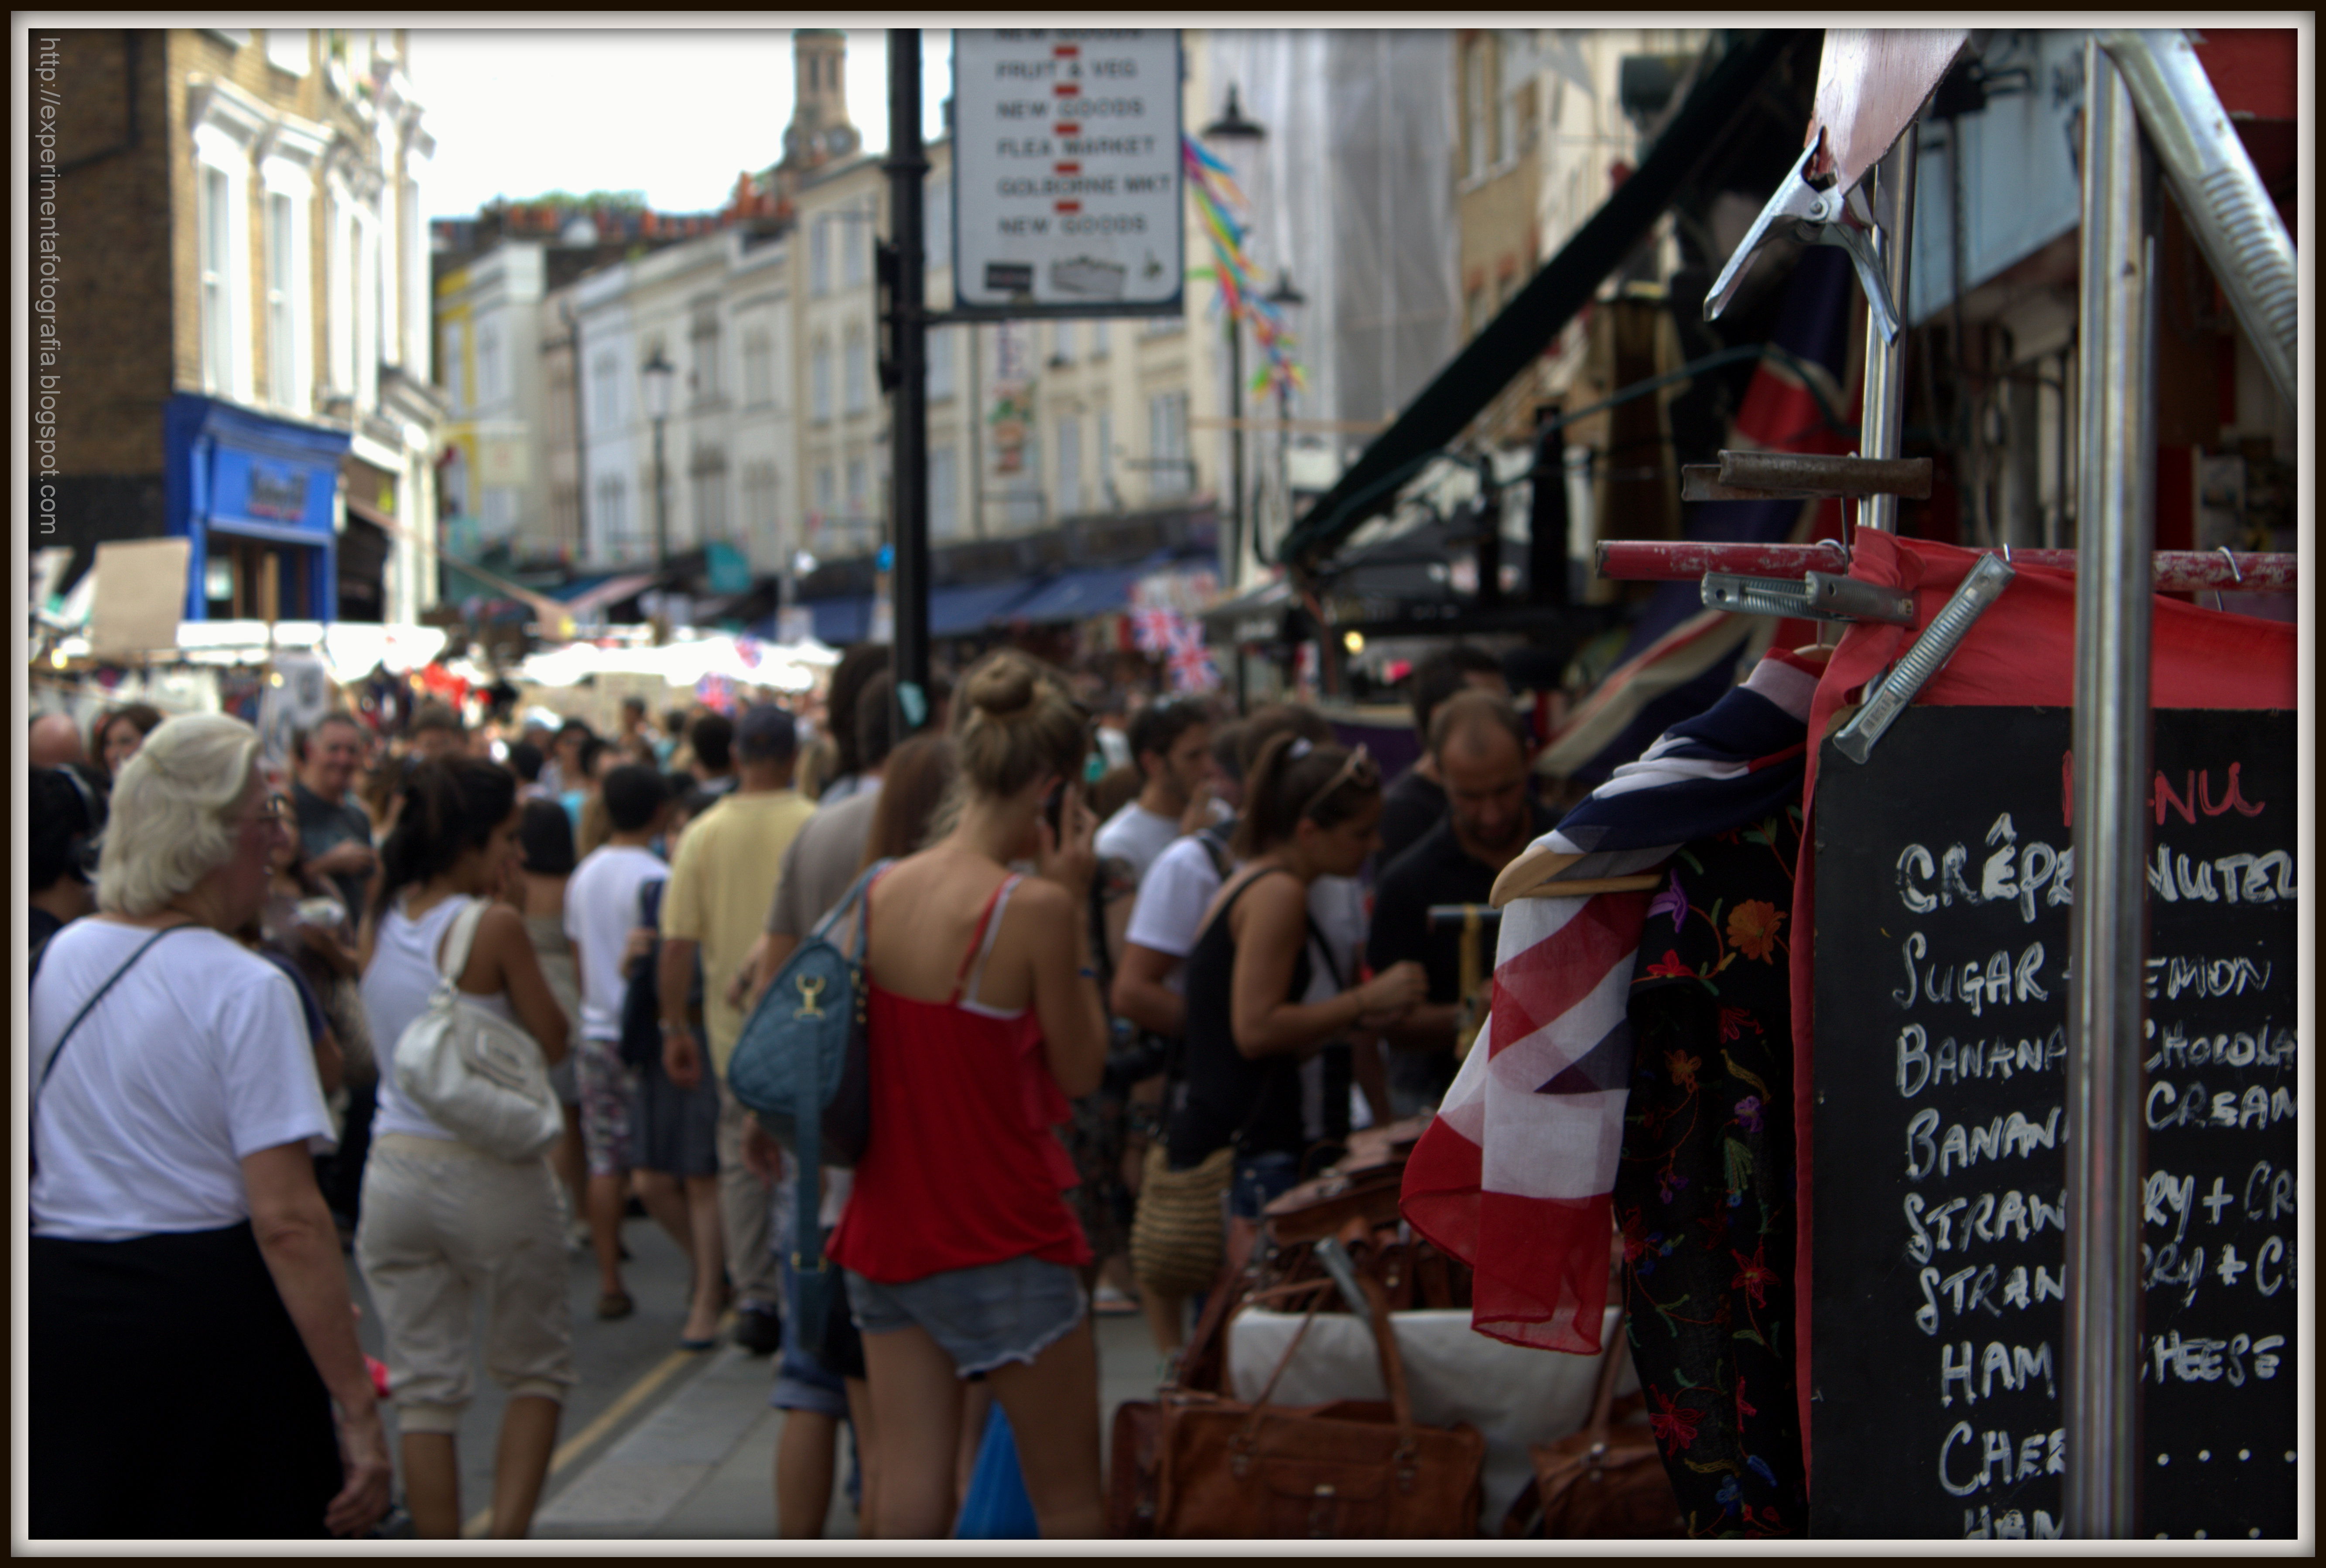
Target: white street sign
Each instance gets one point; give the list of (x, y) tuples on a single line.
[(1065, 168)]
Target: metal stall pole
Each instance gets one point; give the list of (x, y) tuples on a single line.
[(910, 407), (2117, 495), (1885, 413)]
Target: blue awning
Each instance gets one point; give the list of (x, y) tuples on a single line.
[(1072, 595), (957, 612), (841, 621)]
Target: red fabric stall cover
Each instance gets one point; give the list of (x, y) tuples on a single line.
[(2021, 654)]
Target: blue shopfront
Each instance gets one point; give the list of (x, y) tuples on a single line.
[(256, 497)]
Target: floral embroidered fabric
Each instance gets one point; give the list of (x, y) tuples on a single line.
[(1704, 1191)]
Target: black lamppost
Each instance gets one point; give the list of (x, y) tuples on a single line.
[(1284, 297), (1231, 126), (658, 374)]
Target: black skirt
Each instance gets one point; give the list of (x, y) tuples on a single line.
[(171, 1397)]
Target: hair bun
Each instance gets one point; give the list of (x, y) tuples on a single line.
[(1002, 688)]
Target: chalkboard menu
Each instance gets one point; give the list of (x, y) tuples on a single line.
[(1945, 877)]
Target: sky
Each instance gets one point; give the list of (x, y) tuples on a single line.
[(675, 112)]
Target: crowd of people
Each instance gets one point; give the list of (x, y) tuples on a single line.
[(1132, 970)]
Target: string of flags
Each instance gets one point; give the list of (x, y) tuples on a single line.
[(1213, 184), (1162, 632)]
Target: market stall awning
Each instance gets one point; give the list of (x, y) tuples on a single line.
[(1538, 312), (841, 621), (1093, 590), (606, 593), (959, 611)]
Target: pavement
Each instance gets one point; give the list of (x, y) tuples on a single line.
[(659, 1443)]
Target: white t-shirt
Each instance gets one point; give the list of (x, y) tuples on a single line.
[(1136, 836), (1169, 914), (602, 910), (1179, 887), (198, 1058)]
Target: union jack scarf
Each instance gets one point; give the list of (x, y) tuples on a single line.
[(1516, 1175)]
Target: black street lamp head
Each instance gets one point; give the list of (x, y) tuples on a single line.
[(657, 373), (1231, 126), (1284, 293)]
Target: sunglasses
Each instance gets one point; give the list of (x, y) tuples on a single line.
[(1358, 769)]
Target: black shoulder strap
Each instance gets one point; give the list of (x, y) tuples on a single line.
[(1325, 949), (1223, 859), (65, 1038)]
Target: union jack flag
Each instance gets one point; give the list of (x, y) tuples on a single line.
[(1516, 1175), (1190, 662), (716, 692), (1154, 627)]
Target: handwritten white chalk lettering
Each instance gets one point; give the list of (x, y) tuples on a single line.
[(1962, 1146), (1999, 1461), (2014, 1216), (1977, 983), (2171, 1107), (2016, 1366), (2197, 1358), (2262, 1046)]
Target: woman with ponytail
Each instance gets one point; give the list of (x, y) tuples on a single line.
[(985, 1018), (442, 1221), (1310, 811)]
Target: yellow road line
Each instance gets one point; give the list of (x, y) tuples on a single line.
[(573, 1447)]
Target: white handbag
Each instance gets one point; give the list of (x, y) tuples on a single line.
[(475, 1074)]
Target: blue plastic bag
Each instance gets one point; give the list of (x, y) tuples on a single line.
[(997, 1508)]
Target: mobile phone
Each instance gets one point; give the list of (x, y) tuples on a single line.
[(1054, 810)]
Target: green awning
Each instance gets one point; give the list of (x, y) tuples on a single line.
[(1538, 312)]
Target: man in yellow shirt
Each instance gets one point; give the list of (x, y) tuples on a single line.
[(716, 905)]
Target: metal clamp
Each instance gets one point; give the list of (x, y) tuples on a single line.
[(1819, 596), (1981, 587), (1815, 217)]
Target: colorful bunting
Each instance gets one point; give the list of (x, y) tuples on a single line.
[(1213, 185)]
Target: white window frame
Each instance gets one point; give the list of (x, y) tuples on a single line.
[(491, 387), (229, 342), (941, 358), (759, 368), (819, 255), (606, 393), (290, 51), (856, 248), (827, 497), (703, 341), (1166, 436), (856, 372), (1070, 465), (944, 493), (820, 388), (282, 269), (710, 510)]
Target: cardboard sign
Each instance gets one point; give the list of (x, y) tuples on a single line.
[(140, 595)]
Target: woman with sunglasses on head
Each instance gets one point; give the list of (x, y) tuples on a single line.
[(1310, 811), (983, 1018), (195, 1373)]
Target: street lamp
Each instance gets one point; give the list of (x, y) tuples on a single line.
[(1231, 126), (1284, 296), (658, 374)]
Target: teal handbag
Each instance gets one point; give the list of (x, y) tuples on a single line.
[(802, 1065)]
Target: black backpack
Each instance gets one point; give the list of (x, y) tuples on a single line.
[(642, 998)]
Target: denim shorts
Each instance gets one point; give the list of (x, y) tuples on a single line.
[(802, 1382), (982, 1317), (1259, 1180)]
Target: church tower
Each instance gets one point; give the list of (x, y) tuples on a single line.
[(820, 130)]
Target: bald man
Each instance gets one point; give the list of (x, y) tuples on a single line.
[(55, 740), (1479, 744)]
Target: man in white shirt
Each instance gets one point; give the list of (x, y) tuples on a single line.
[(1171, 742), (602, 909)]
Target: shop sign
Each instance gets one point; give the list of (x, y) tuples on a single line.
[(1066, 171)]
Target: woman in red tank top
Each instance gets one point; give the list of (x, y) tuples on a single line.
[(985, 1018)]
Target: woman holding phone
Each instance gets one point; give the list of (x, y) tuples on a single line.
[(985, 1018)]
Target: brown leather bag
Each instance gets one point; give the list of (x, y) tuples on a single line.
[(1606, 1482), (1348, 1470)]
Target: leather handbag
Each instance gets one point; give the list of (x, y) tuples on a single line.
[(474, 1073), (1606, 1482), (1353, 1470)]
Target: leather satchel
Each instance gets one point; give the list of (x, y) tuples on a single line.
[(1606, 1482), (1353, 1470)]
